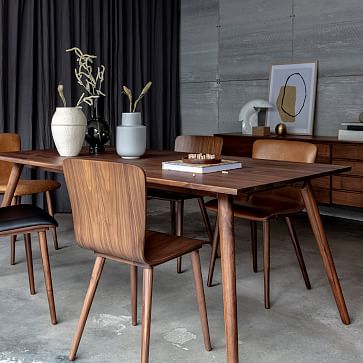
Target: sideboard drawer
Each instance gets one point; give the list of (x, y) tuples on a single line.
[(324, 154), (357, 166), (344, 189), (347, 183), (347, 151), (353, 199)]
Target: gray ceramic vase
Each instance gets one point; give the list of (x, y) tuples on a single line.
[(131, 136)]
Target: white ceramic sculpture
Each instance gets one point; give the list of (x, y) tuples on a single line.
[(249, 114), (131, 136), (69, 126)]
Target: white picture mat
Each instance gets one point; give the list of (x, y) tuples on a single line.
[(303, 123)]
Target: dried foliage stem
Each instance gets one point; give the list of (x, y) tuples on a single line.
[(85, 76), (61, 94), (128, 93)]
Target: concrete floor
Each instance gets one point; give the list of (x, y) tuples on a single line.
[(301, 326)]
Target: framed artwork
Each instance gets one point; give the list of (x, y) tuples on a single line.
[(292, 92)]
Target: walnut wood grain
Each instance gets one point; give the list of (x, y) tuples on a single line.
[(95, 278), (228, 261), (324, 249), (255, 175), (330, 151), (108, 202), (101, 208), (188, 144), (133, 284), (29, 262), (8, 142), (199, 291), (199, 144), (47, 274), (263, 206), (146, 313)]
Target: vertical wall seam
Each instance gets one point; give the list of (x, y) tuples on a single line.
[(217, 69), (292, 28)]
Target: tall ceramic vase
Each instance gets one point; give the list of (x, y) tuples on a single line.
[(69, 125), (131, 136)]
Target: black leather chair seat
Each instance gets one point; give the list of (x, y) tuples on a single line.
[(24, 216)]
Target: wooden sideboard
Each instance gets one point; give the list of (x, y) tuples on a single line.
[(345, 189)]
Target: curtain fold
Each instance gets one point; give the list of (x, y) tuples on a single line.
[(136, 40)]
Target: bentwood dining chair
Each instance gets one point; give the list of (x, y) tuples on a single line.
[(265, 206), (11, 142), (188, 144), (108, 202), (26, 219)]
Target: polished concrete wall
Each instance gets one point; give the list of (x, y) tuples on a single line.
[(227, 47)]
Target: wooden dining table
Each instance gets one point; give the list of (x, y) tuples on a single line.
[(255, 175)]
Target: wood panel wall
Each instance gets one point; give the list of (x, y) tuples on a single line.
[(227, 47)]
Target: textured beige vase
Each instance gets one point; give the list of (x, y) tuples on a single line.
[(69, 126)]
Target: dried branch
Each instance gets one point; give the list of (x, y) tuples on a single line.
[(128, 93), (142, 94), (85, 78), (61, 94)]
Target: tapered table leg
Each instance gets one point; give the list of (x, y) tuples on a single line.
[(324, 249), (12, 184), (228, 262)]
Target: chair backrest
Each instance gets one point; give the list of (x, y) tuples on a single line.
[(199, 144), (283, 150), (8, 142), (108, 201)]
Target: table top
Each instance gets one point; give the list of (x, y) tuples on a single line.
[(255, 175)]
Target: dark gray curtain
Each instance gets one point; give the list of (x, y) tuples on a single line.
[(136, 40)]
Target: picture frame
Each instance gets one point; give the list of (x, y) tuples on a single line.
[(292, 91)]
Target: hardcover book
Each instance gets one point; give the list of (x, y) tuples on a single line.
[(179, 165), (350, 135)]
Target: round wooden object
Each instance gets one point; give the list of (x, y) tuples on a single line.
[(201, 161)]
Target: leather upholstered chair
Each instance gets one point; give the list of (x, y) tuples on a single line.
[(108, 202), (188, 144), (11, 142), (264, 206), (26, 219)]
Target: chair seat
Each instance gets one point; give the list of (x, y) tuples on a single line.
[(262, 206), (24, 216), (168, 195), (28, 187), (161, 247)]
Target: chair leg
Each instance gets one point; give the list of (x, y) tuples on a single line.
[(179, 212), (48, 197), (198, 281), (133, 284), (172, 217), (147, 288), (206, 221), (15, 201), (95, 278), (298, 253), (29, 262), (12, 249), (47, 274), (254, 244), (266, 261), (213, 255)]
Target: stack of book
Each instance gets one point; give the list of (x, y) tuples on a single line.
[(353, 131)]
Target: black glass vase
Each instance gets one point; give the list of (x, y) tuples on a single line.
[(98, 130)]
